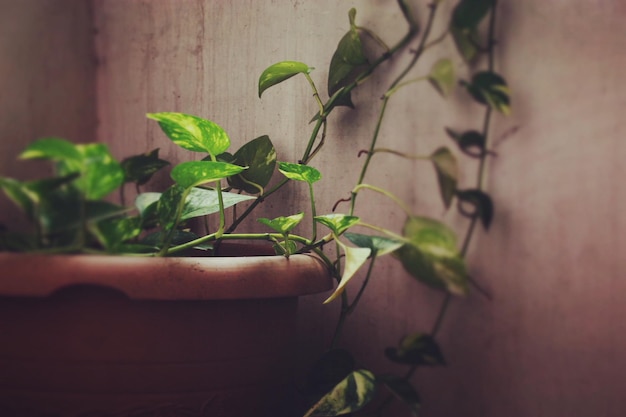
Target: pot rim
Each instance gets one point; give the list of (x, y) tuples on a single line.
[(175, 278)]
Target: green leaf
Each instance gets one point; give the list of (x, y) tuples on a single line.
[(55, 149), (299, 172), (285, 247), (403, 390), (417, 349), (355, 258), (178, 237), (201, 202), (168, 204), (15, 241), (432, 256), (193, 133), (490, 89), (447, 173), (466, 42), (480, 204), (259, 156), (338, 223), (469, 13), (471, 143), (144, 200), (19, 194), (347, 59), (350, 395), (442, 76), (101, 174), (96, 211), (192, 173), (111, 233), (283, 224), (279, 72), (378, 245), (140, 168)]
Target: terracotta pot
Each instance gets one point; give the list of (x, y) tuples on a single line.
[(106, 336)]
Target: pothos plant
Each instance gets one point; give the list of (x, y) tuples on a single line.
[(69, 213)]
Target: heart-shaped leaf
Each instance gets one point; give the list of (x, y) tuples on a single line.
[(432, 256), (490, 89), (168, 204), (201, 202), (417, 349), (442, 76), (192, 173), (299, 172), (280, 72), (480, 203), (378, 245), (355, 258), (338, 223), (192, 133), (283, 224), (469, 13), (259, 156), (55, 149), (471, 143), (100, 172), (447, 173), (466, 42), (347, 59), (111, 233), (140, 168), (350, 395)]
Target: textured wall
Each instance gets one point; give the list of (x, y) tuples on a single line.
[(47, 79), (551, 342)]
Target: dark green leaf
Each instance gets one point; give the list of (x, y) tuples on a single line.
[(432, 256), (467, 42), (19, 193), (471, 143), (469, 13), (283, 224), (192, 173), (480, 205), (490, 89), (417, 349), (403, 390), (259, 156), (442, 76), (96, 210), (447, 173), (347, 60), (16, 242), (280, 72), (299, 172), (140, 168), (193, 133), (348, 396), (378, 245), (285, 247)]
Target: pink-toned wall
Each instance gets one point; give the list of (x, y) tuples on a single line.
[(47, 81), (552, 340)]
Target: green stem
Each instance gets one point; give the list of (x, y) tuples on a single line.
[(390, 195), (313, 213)]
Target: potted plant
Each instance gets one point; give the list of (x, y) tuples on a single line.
[(137, 317)]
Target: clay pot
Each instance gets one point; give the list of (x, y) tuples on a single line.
[(106, 336)]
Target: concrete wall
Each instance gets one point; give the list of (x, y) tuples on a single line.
[(47, 80), (551, 341)]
